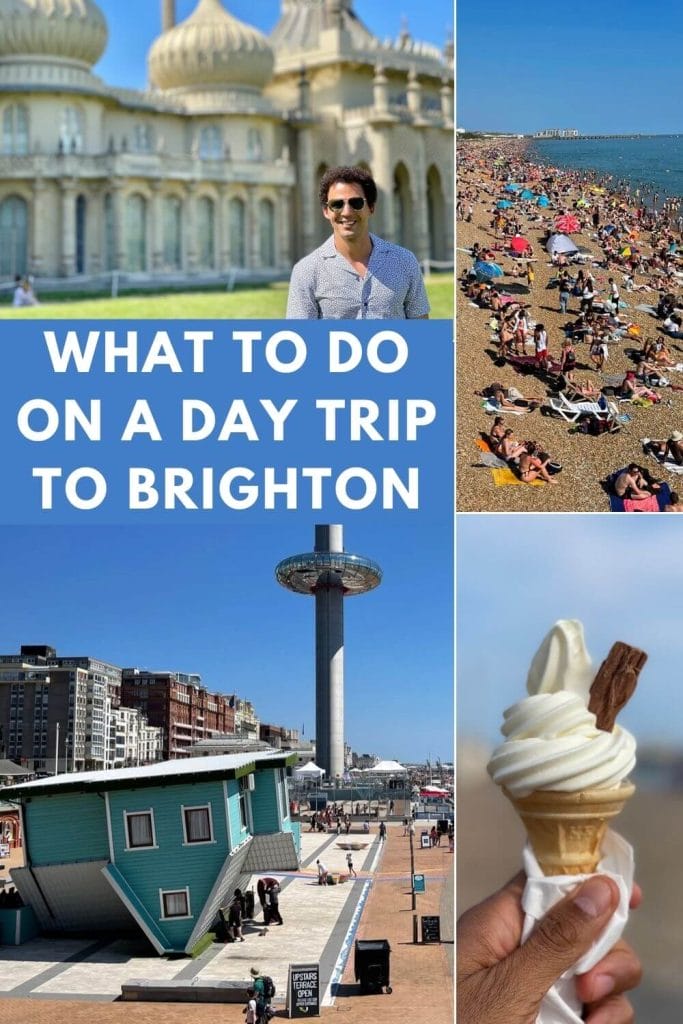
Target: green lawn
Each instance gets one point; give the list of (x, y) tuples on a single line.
[(243, 303)]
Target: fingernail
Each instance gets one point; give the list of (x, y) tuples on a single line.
[(601, 987), (594, 897)]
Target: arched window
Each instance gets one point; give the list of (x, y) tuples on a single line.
[(210, 143), (236, 221), (173, 211), (266, 218), (71, 130), (13, 236), (254, 144), (15, 130), (136, 233), (206, 245), (109, 234), (142, 138)]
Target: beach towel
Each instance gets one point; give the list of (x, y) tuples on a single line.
[(644, 308), (505, 478), (491, 407), (655, 503)]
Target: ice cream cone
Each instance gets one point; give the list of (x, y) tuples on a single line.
[(566, 829)]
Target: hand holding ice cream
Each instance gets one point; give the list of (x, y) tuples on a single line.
[(564, 774)]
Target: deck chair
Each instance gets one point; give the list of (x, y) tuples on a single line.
[(571, 411)]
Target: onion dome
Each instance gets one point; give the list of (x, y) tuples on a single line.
[(210, 48), (71, 30)]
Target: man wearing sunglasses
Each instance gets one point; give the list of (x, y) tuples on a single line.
[(355, 275)]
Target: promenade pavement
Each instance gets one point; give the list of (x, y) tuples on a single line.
[(74, 981)]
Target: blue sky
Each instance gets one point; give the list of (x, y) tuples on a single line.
[(206, 600), (621, 575), (134, 24), (601, 67)]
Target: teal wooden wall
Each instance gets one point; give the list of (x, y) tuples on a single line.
[(66, 828), (264, 803), (238, 833), (172, 865)]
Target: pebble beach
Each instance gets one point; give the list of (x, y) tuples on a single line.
[(484, 168)]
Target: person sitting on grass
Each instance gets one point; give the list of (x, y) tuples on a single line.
[(532, 465)]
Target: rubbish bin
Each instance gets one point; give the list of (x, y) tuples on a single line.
[(371, 964), (249, 904)]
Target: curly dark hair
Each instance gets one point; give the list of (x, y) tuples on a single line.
[(350, 176)]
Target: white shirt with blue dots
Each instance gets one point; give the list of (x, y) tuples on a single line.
[(324, 286)]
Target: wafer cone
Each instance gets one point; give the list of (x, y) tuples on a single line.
[(566, 829)]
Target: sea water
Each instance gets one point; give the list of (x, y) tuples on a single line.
[(654, 161)]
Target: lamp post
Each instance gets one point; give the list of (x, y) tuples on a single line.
[(413, 902)]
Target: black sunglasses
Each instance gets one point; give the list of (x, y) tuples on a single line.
[(355, 202)]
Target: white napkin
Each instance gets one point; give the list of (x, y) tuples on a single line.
[(561, 1005)]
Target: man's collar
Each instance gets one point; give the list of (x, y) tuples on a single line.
[(328, 249)]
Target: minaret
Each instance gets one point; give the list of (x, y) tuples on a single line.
[(167, 14), (330, 575)]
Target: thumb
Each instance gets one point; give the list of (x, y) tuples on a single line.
[(562, 937)]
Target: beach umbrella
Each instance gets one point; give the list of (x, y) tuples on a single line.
[(487, 271), (560, 243), (542, 201), (519, 244), (512, 187), (567, 223), (503, 204), (526, 194)]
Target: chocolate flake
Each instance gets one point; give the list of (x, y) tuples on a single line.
[(614, 683)]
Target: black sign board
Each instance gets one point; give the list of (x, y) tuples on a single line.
[(431, 928), (303, 990)]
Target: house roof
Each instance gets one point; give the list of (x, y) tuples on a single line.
[(223, 766)]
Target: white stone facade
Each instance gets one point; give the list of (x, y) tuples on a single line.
[(213, 170)]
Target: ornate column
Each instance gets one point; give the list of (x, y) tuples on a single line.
[(283, 255), (157, 227), (253, 247), (223, 229), (190, 241), (307, 198), (68, 248), (39, 219), (419, 199), (384, 177), (119, 224)]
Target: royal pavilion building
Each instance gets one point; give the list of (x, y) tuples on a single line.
[(213, 170)]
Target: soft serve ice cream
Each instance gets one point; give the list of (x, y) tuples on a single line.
[(552, 741)]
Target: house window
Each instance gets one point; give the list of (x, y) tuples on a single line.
[(197, 824), (142, 138), (175, 903), (282, 794), (140, 830), (244, 790)]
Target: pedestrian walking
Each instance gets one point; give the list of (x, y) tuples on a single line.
[(382, 831), (235, 915), (349, 864)]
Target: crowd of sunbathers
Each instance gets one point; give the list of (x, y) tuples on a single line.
[(620, 220)]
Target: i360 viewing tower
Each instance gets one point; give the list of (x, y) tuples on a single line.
[(330, 574)]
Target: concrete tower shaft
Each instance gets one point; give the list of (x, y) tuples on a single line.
[(168, 16), (330, 574)]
